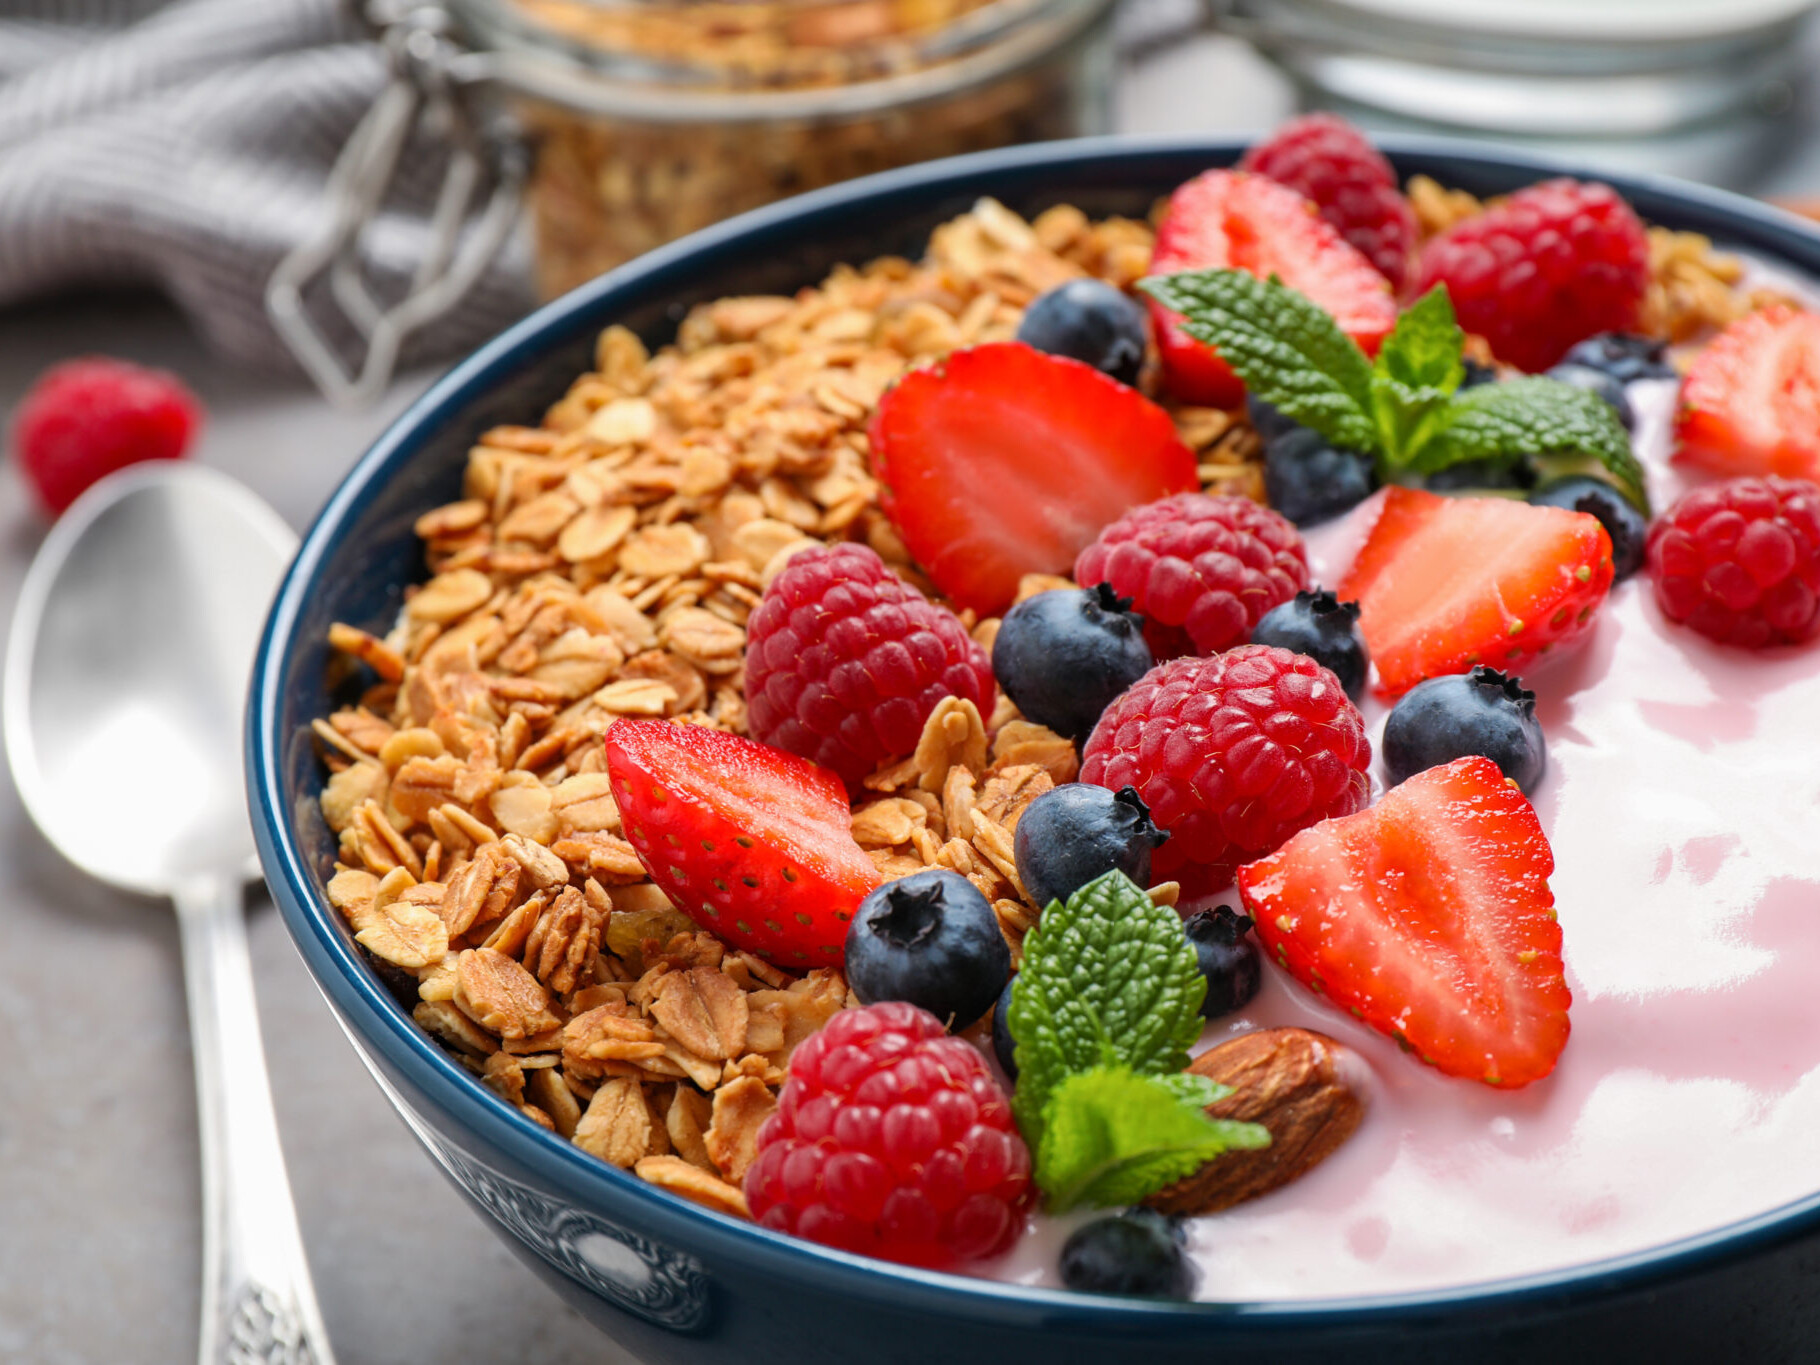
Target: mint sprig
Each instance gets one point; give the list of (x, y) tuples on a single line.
[(1115, 1137), (1109, 979), (1419, 368), (1406, 410), (1102, 1016)]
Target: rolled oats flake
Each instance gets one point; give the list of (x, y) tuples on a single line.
[(616, 1126), (683, 1177), (450, 596)]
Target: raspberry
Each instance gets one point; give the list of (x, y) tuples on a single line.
[(892, 1139), (86, 418), (1550, 266), (1200, 570), (1233, 755), (845, 661), (1740, 561), (1324, 158)]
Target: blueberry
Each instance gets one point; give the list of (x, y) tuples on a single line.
[(1063, 655), (931, 939), (1310, 481), (1476, 374), (1324, 628), (1266, 420), (1627, 527), (1137, 1252), (1092, 321), (1074, 833), (1481, 712), (1626, 358), (1229, 958), (1601, 383), (1003, 1045), (1479, 474)]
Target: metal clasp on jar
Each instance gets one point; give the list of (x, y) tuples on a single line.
[(435, 83)]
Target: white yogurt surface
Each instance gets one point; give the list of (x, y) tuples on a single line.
[(1682, 801)]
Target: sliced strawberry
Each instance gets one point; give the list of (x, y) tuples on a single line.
[(1446, 583), (1246, 222), (1429, 917), (753, 844), (1001, 461), (1751, 402)]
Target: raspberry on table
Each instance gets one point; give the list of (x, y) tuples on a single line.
[(1548, 267), (85, 418), (845, 661), (892, 1139), (1200, 570), (1739, 561), (1233, 755), (1327, 160)]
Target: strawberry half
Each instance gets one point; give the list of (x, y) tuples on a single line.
[(1001, 461), (1446, 583), (1751, 402), (753, 844), (1429, 917), (1246, 222)]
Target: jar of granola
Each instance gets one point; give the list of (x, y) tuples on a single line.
[(662, 116), (626, 123)]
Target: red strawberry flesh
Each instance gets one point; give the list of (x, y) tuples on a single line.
[(1429, 917), (753, 844), (1446, 583), (1241, 221), (1751, 402), (1001, 461)]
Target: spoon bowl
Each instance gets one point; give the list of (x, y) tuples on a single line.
[(127, 671), (125, 685)]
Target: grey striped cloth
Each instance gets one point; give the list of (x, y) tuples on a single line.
[(184, 144)]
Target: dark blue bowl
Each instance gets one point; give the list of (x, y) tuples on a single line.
[(674, 1282)]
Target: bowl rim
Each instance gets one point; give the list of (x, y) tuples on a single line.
[(373, 1018)]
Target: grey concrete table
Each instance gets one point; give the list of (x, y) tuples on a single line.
[(99, 1191)]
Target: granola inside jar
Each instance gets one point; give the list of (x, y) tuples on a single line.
[(652, 118)]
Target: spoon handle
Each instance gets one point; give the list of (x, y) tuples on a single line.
[(258, 1306)]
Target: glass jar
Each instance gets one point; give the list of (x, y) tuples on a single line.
[(648, 119), (625, 123), (1554, 68)]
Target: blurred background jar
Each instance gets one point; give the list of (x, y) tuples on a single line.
[(1702, 89), (648, 119)]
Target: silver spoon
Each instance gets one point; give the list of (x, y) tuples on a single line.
[(126, 674)]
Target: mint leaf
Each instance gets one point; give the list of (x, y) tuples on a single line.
[(1189, 1088), (1423, 350), (1413, 380), (1114, 1137), (1534, 417), (1288, 351), (1109, 979)]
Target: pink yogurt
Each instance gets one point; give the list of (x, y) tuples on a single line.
[(1683, 804)]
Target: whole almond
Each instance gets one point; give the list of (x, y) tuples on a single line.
[(1294, 1082)]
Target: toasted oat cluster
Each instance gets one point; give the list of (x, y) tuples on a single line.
[(603, 564)]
